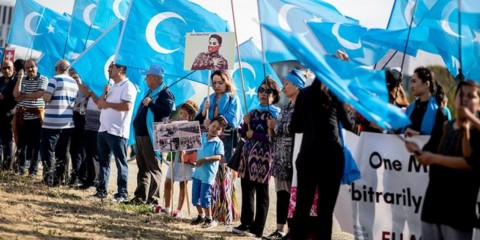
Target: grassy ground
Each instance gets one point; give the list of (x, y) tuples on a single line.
[(30, 210)]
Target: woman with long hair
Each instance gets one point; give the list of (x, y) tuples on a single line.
[(223, 103)]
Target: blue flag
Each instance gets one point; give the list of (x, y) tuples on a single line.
[(348, 38), (82, 31), (92, 65), (363, 89), (252, 68), (155, 34), (408, 12), (39, 28), (46, 65), (447, 37), (110, 11), (290, 18)]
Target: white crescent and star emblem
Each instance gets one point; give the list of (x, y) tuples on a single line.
[(28, 23), (86, 15), (408, 13), (282, 17), (447, 11), (245, 65), (116, 9), (151, 30), (345, 43)]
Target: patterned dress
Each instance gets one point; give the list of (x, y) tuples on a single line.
[(209, 61)]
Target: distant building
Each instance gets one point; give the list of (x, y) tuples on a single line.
[(6, 16)]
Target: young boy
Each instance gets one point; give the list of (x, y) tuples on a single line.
[(206, 169)]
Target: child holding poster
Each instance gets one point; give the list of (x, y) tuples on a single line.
[(183, 166)]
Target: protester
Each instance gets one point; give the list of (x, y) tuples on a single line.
[(7, 106), (58, 124), (157, 105), (227, 104), (206, 169), (320, 161), (425, 113), (182, 170), (449, 205), (116, 104), (211, 60), (92, 124), (28, 120), (256, 160), (396, 96), (77, 144), (282, 138)]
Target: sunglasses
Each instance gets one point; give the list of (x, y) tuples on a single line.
[(6, 67), (266, 91)]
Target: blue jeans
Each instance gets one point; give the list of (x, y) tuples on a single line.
[(106, 145), (54, 150)]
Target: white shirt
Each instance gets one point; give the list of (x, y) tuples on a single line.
[(118, 122)]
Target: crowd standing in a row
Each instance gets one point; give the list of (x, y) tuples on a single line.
[(51, 119)]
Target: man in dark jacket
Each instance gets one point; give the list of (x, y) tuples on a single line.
[(156, 106), (7, 105)]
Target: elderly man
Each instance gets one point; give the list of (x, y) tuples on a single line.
[(156, 106), (7, 104), (58, 124), (116, 104), (29, 114)]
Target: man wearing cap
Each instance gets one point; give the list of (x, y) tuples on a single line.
[(156, 106), (116, 104)]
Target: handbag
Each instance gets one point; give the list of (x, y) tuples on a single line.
[(234, 162), (189, 157)]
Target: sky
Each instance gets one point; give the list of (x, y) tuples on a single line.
[(246, 13)]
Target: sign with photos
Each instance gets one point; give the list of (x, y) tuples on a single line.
[(177, 136)]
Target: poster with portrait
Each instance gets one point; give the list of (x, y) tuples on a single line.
[(177, 136), (209, 51)]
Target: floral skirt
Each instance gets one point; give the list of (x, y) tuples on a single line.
[(224, 201)]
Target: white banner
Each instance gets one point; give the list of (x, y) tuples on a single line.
[(387, 199)]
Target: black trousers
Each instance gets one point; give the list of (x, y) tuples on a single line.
[(283, 200), (91, 158), (256, 220), (328, 183), (77, 150)]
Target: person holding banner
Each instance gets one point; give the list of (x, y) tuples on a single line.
[(320, 161), (223, 102), (256, 160), (449, 206), (282, 137), (157, 105), (426, 113), (211, 60)]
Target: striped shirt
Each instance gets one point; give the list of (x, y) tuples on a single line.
[(59, 111), (39, 83)]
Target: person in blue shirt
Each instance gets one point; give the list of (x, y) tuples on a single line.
[(206, 169)]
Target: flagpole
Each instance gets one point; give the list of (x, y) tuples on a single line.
[(408, 35), (208, 93), (239, 57), (122, 32), (97, 40), (69, 30), (264, 60), (460, 74), (190, 73)]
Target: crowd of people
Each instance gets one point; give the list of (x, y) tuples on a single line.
[(51, 119)]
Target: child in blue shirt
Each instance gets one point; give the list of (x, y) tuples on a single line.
[(206, 169)]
